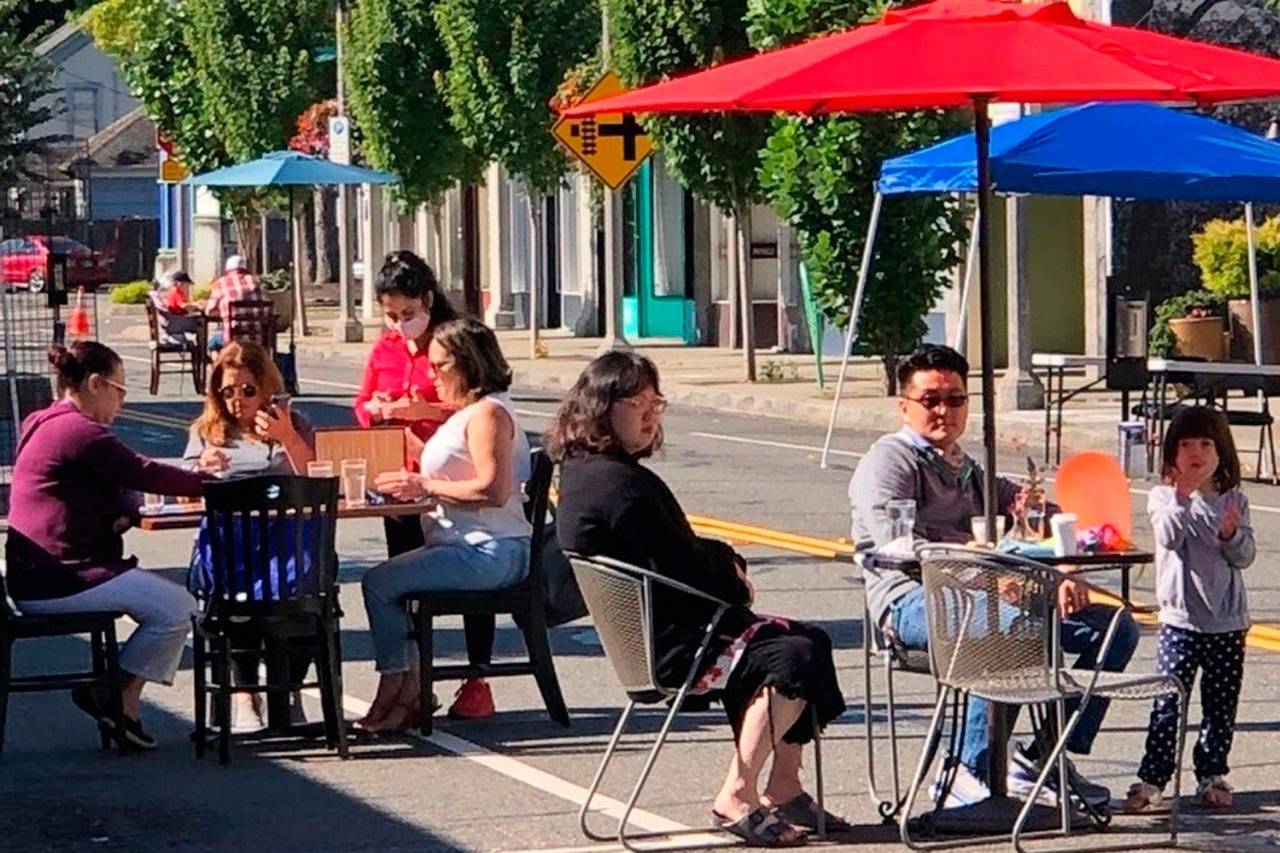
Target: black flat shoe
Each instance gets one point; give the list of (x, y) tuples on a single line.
[(84, 698), (135, 736)]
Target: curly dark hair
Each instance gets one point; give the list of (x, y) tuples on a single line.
[(582, 424)]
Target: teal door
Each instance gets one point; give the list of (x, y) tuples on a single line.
[(657, 220)]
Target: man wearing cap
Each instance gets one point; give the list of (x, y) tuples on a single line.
[(177, 326), (234, 285)]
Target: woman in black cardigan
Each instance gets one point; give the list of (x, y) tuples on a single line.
[(767, 670)]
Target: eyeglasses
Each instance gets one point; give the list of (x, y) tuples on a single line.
[(933, 401), (247, 390), (124, 392), (656, 404)]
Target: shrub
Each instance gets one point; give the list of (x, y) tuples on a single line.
[(133, 293), (276, 280), (201, 292), (1221, 251)]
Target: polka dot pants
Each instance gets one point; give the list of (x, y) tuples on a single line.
[(1220, 658)]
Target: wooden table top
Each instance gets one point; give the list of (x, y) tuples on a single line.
[(191, 519)]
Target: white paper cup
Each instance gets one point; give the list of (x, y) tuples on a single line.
[(1064, 534)]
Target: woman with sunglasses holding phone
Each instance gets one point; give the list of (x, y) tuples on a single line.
[(241, 431), (74, 493), (245, 430)]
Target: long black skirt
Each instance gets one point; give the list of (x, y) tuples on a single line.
[(796, 661)]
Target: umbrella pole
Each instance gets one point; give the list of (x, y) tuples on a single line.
[(982, 133), (867, 246), (1255, 304)]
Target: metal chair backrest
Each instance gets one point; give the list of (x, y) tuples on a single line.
[(618, 597), (991, 617), (253, 320), (272, 538)]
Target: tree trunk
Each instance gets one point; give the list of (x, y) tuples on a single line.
[(535, 274), (305, 210), (248, 227), (890, 363), (742, 241), (326, 235)]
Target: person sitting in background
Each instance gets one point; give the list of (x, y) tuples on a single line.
[(75, 492), (177, 324), (776, 677), (477, 537), (241, 432), (924, 462), (233, 285), (399, 389)]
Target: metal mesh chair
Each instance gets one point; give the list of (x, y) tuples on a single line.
[(619, 597), (892, 657), (994, 633)]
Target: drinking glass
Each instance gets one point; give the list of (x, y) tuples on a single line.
[(902, 518), (354, 474), (319, 469), (978, 524)]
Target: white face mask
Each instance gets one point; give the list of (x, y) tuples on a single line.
[(410, 329)]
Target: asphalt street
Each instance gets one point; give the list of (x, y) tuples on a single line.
[(514, 782)]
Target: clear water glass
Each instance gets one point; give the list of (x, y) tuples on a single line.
[(320, 469), (902, 518), (355, 474)]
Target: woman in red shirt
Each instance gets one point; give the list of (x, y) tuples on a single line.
[(399, 388)]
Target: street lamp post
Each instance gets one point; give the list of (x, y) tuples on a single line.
[(346, 328), (613, 269)]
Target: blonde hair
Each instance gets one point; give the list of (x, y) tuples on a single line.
[(216, 422)]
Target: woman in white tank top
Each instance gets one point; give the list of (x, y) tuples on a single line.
[(473, 469)]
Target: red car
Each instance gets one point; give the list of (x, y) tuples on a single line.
[(25, 261)]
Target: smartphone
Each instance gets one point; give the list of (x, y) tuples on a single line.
[(279, 401)]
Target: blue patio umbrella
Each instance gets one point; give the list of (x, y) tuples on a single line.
[(1120, 150), (291, 169)]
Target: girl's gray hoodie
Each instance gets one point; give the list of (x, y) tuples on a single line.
[(1199, 583)]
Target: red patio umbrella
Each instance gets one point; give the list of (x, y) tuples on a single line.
[(955, 53)]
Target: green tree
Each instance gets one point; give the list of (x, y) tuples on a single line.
[(24, 79), (819, 175), (507, 59), (391, 54), (714, 156)]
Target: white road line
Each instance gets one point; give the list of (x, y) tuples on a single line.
[(814, 449), (533, 777)]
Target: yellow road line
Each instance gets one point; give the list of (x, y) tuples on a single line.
[(1260, 636)]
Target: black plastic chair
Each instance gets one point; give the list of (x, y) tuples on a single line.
[(525, 601), (258, 527), (101, 628)]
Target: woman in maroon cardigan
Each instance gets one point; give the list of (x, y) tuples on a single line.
[(75, 492)]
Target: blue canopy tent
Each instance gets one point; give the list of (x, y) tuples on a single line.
[(1121, 150), (291, 169)]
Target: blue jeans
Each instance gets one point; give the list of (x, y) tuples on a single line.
[(1082, 634), (488, 565)]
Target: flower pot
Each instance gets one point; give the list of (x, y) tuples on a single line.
[(282, 307), (1200, 337), (1241, 316)]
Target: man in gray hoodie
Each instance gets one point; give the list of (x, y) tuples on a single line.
[(924, 462)]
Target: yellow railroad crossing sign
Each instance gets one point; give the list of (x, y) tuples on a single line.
[(611, 145)]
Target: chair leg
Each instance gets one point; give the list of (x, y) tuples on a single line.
[(1271, 444), (6, 663), (195, 372), (331, 675), (585, 811), (426, 660), (1183, 700), (114, 697), (891, 709), (922, 767), (539, 646), (100, 675), (1052, 762), (199, 667), (155, 372), (324, 672), (817, 772), (625, 839), (222, 700)]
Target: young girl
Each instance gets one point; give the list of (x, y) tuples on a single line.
[(1203, 540)]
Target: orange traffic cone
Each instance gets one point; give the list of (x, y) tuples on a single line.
[(78, 319)]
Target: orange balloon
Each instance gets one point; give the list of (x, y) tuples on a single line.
[(1093, 486)]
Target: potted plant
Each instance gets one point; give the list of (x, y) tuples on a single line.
[(1221, 251), (1190, 325)]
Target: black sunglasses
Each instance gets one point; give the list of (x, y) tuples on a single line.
[(247, 390)]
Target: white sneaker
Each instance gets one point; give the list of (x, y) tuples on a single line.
[(966, 789), (246, 713)]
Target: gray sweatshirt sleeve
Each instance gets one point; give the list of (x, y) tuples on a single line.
[(1240, 550), (884, 474), (1170, 517)]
